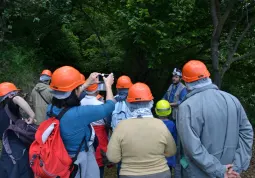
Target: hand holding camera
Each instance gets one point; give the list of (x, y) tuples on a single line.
[(108, 80), (93, 78)]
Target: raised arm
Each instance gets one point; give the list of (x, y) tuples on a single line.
[(24, 105), (98, 112)]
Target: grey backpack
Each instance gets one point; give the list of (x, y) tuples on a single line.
[(25, 132)]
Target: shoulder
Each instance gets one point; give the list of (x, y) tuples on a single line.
[(83, 101), (12, 102), (182, 86), (97, 102), (170, 87), (230, 97), (157, 123)]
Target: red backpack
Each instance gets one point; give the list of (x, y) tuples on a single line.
[(47, 154)]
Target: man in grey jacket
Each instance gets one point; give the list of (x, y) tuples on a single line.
[(41, 96), (215, 132)]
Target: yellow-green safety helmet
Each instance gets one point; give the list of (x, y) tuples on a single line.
[(163, 108)]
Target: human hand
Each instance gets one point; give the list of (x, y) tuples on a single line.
[(109, 80), (93, 78), (30, 120), (230, 173)]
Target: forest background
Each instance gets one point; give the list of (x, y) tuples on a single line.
[(145, 39)]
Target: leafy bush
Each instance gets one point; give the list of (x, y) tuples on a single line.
[(19, 65)]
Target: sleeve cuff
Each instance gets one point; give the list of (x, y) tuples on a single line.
[(236, 169), (220, 173)]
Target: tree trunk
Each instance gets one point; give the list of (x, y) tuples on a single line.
[(218, 23), (215, 12), (215, 61)]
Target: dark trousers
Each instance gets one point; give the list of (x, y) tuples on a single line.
[(171, 168), (118, 169), (101, 172)]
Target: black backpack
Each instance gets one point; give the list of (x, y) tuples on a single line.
[(25, 132)]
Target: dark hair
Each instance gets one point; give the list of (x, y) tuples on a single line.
[(71, 101), (7, 100)]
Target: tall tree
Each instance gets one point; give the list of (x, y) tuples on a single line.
[(230, 28)]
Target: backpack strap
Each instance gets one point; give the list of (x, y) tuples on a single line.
[(79, 149), (80, 146), (42, 97), (60, 115), (12, 117)]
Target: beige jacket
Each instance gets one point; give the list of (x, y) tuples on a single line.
[(141, 145), (39, 105)]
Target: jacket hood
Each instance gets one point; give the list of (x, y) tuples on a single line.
[(122, 95), (198, 90), (41, 87)]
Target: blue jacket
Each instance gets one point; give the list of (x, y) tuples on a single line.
[(74, 123), (170, 98), (120, 111), (171, 161)]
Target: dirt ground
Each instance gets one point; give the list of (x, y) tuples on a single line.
[(250, 173)]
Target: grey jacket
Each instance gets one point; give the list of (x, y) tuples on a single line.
[(214, 131), (39, 105)]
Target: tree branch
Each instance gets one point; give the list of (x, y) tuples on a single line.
[(227, 12), (249, 54), (219, 21), (243, 34), (233, 51), (244, 56), (214, 15), (232, 30)]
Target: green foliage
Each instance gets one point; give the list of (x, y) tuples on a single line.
[(19, 65), (144, 39), (240, 82)]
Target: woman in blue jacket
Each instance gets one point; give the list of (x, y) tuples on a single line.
[(67, 85)]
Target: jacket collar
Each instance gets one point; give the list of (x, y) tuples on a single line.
[(193, 92)]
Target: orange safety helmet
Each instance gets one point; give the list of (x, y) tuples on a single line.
[(99, 97), (6, 88), (194, 70), (139, 92), (66, 79), (92, 88), (124, 82), (46, 72)]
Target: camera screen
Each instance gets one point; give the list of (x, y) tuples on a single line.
[(101, 87)]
